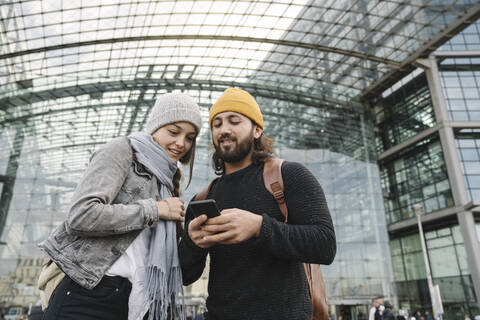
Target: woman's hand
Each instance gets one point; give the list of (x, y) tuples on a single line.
[(171, 209)]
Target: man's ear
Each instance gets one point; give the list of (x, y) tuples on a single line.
[(257, 132)]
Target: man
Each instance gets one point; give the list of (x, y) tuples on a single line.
[(375, 313), (256, 269)]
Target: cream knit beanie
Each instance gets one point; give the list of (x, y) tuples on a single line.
[(173, 107)]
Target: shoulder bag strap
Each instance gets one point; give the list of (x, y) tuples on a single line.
[(272, 177)]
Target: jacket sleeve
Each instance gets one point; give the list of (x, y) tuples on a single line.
[(309, 235), (192, 258), (92, 212)]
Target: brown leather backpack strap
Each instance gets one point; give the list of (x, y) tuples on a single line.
[(272, 177), (202, 195), (308, 273)]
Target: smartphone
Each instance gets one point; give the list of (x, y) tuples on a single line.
[(208, 207)]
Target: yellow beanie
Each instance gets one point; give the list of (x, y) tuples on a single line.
[(237, 100)]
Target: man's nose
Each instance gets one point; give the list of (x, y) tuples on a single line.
[(225, 129)]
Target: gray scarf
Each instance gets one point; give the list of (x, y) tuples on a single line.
[(160, 280)]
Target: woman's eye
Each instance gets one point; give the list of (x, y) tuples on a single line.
[(172, 132), (190, 139)]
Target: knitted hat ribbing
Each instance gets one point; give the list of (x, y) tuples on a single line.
[(237, 100), (173, 107)]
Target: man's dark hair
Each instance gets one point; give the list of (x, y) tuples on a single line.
[(262, 150)]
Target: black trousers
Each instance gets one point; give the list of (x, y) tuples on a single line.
[(107, 301)]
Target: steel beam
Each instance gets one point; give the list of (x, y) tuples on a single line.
[(271, 92), (279, 42), (407, 143), (457, 54)]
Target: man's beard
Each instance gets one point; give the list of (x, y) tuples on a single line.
[(237, 153)]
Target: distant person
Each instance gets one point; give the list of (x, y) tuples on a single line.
[(375, 313), (387, 313), (118, 244), (428, 315), (418, 315), (402, 315), (412, 316)]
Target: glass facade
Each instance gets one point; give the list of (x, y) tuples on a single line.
[(468, 147), (404, 113), (449, 267), (461, 85), (468, 39), (362, 267), (416, 175)]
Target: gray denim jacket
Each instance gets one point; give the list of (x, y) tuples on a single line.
[(113, 202)]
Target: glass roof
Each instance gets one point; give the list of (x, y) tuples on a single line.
[(74, 74)]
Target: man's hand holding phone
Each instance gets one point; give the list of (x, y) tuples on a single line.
[(202, 210), (231, 226)]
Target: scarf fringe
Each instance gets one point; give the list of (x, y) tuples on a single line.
[(163, 294)]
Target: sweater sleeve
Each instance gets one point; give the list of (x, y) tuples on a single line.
[(192, 258), (309, 235)]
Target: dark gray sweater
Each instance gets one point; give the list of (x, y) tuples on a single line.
[(263, 278)]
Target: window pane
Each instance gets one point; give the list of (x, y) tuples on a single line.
[(443, 262), (415, 266)]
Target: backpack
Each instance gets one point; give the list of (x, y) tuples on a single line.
[(272, 177)]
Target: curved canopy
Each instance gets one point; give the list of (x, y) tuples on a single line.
[(74, 74)]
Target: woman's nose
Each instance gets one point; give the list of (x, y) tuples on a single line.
[(180, 142)]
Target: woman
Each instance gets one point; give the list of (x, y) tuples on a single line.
[(117, 246)]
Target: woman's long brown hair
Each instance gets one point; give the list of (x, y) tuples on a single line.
[(189, 158)]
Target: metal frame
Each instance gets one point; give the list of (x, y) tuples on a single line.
[(408, 65)]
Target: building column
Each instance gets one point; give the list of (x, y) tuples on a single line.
[(454, 170)]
